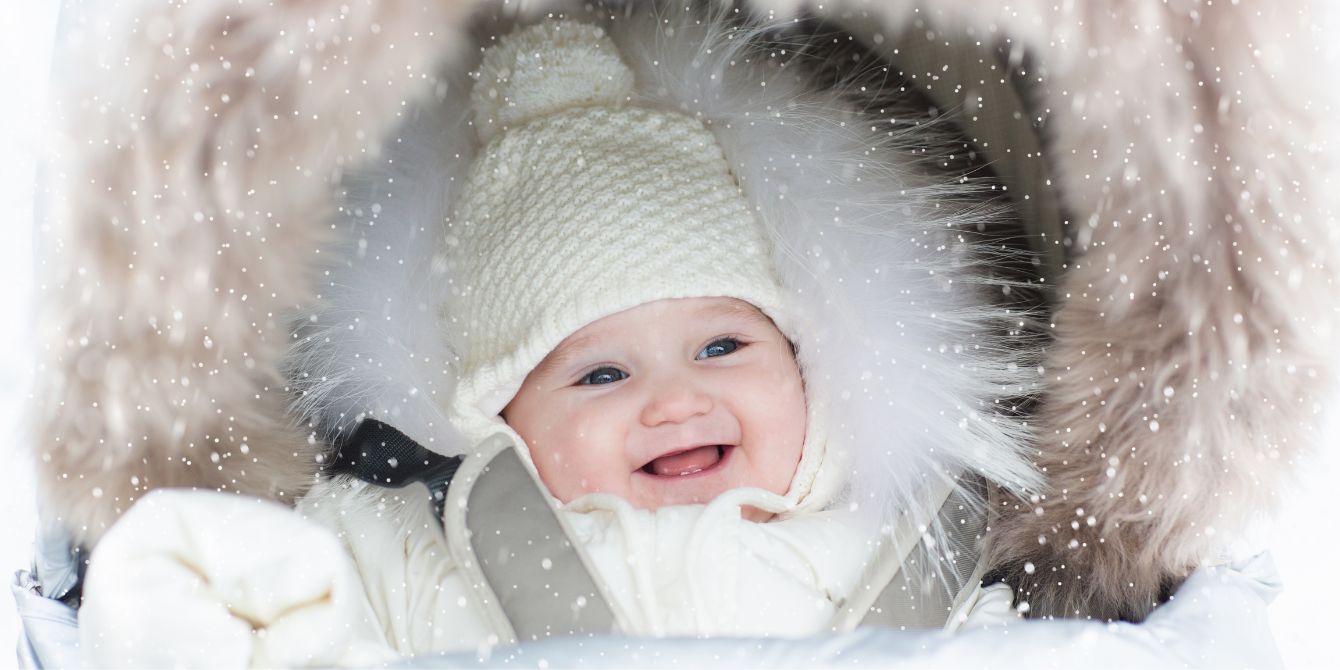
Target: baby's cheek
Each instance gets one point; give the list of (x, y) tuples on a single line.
[(787, 393), (792, 422), (550, 465), (578, 463)]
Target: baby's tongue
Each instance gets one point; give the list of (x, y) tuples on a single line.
[(686, 462)]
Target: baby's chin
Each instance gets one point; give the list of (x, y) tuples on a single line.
[(747, 512)]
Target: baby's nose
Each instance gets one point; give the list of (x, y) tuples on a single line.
[(675, 403)]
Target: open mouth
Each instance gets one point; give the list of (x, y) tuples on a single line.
[(688, 462)]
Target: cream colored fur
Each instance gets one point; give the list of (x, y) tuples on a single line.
[(191, 217), (1190, 143)]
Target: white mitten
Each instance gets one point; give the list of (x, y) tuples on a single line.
[(194, 578)]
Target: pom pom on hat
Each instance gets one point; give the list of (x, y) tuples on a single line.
[(547, 68)]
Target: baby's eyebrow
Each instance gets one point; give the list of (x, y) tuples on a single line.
[(562, 354), (735, 308)]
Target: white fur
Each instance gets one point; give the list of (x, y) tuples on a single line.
[(372, 347)]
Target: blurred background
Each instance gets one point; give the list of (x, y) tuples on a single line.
[(1303, 543)]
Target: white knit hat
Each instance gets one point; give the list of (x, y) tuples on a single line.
[(580, 206)]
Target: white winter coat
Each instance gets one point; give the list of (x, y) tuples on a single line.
[(362, 574)]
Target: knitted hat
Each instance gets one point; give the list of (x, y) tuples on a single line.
[(580, 206)]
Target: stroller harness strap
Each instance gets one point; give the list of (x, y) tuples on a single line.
[(525, 572), (528, 576), (399, 460)]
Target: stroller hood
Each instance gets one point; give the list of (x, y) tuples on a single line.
[(255, 269)]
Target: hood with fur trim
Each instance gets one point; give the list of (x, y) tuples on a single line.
[(272, 182), (905, 357)]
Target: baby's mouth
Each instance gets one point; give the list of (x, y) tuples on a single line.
[(687, 461)]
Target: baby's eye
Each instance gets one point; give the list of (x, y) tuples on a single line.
[(604, 375), (721, 347)]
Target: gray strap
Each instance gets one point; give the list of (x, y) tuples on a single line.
[(915, 580), (529, 576)]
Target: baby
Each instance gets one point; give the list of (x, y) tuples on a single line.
[(614, 311)]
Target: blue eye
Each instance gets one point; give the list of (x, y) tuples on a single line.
[(721, 347), (604, 375)]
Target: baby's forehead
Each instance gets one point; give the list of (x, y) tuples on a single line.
[(733, 307), (707, 312), (661, 313)]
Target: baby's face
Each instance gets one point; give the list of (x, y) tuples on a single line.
[(667, 403)]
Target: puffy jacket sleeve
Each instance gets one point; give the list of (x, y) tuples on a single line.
[(422, 602), (196, 578)]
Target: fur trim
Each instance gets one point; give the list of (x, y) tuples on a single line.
[(194, 193), (1195, 329)]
